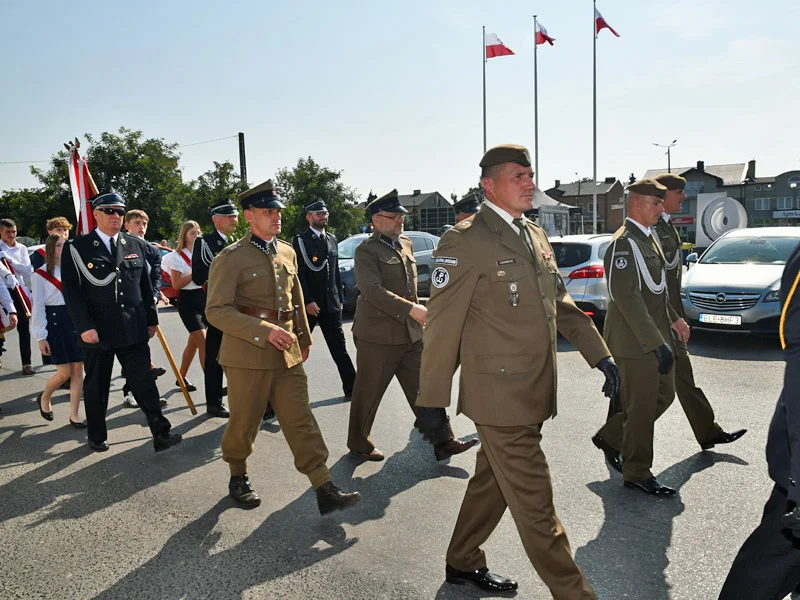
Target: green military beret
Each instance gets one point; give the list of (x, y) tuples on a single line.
[(261, 196), (671, 181), (647, 187), (505, 153), (389, 203)]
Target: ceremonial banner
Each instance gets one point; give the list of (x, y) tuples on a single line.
[(83, 188)]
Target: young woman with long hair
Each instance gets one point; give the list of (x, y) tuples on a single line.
[(52, 327)]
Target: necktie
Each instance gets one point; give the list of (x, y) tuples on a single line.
[(113, 245), (523, 237)]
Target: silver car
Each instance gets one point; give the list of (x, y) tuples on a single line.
[(580, 262), (735, 285)]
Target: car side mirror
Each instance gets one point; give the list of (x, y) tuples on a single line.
[(691, 259)]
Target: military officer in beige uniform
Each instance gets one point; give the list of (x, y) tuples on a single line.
[(387, 329), (497, 306), (255, 299), (639, 331), (694, 402)]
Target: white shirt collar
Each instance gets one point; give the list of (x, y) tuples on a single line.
[(645, 230), (105, 238), (666, 216), (505, 215), (316, 232), (223, 236)]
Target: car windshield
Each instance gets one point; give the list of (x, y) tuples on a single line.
[(570, 255), (347, 248), (759, 250)]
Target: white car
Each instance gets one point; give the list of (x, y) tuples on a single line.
[(580, 262)]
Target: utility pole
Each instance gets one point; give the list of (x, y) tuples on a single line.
[(668, 147), (242, 160)]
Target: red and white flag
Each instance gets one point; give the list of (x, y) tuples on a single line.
[(83, 188), (601, 23), (541, 35), (495, 47)]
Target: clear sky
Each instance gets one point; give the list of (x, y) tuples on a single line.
[(390, 92)]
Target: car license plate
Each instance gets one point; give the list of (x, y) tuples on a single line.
[(721, 319)]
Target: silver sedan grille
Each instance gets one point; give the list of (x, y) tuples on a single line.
[(724, 301)]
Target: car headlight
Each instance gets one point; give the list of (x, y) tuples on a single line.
[(774, 293)]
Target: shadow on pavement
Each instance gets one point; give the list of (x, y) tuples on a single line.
[(628, 558)]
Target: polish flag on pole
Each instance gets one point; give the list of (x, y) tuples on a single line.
[(541, 35), (601, 23), (83, 188), (495, 47)]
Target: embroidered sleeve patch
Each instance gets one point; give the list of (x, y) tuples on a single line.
[(621, 262), (440, 277), (446, 260)]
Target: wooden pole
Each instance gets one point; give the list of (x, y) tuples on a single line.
[(175, 370)]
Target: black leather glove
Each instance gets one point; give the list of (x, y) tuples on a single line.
[(665, 358), (432, 423), (611, 371), (791, 521)]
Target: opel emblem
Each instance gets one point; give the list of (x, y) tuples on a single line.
[(721, 298)]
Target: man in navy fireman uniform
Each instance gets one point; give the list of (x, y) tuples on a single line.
[(224, 216), (109, 297), (318, 263)]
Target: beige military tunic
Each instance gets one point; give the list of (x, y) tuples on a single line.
[(243, 275), (693, 401), (638, 321), (497, 307)]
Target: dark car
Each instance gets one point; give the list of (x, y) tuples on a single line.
[(424, 245)]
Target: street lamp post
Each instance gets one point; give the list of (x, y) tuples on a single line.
[(668, 147)]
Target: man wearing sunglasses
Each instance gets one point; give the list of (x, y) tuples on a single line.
[(388, 330), (109, 297)]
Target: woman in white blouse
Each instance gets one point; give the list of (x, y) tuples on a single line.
[(191, 297), (52, 327)]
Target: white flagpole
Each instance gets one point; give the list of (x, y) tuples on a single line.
[(484, 86), (535, 104), (594, 119)]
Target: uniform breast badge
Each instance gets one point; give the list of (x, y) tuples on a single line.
[(315, 258), (90, 265), (513, 293)]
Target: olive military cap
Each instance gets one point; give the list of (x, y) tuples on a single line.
[(468, 204), (671, 181), (505, 153), (388, 203), (261, 196), (647, 187)]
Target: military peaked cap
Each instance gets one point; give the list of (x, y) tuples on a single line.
[(261, 196), (107, 199), (671, 181), (647, 187), (225, 207), (468, 204), (316, 206), (388, 203), (505, 153)]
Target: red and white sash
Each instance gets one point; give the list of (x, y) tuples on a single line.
[(56, 282), (188, 261), (21, 290)]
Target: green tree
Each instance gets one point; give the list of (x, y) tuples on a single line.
[(30, 209), (220, 183), (308, 181)]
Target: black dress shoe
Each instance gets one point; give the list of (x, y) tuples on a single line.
[(218, 411), (331, 498), (241, 491), (480, 578), (47, 416), (77, 424), (98, 446), (723, 438), (165, 440), (650, 486), (348, 396), (157, 371), (613, 457), (269, 413), (190, 387), (451, 448)]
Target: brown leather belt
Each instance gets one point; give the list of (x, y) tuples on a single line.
[(268, 314)]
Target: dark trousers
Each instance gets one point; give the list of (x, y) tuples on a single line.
[(767, 566), (135, 361), (331, 325), (213, 372), (23, 329)]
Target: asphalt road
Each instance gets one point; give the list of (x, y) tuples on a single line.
[(132, 524)]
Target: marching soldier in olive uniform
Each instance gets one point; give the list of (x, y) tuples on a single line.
[(497, 305), (318, 256), (255, 299), (466, 207), (388, 329), (110, 300), (694, 402), (638, 330), (224, 216)]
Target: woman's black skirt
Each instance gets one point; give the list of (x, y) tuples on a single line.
[(191, 306), (62, 337)]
